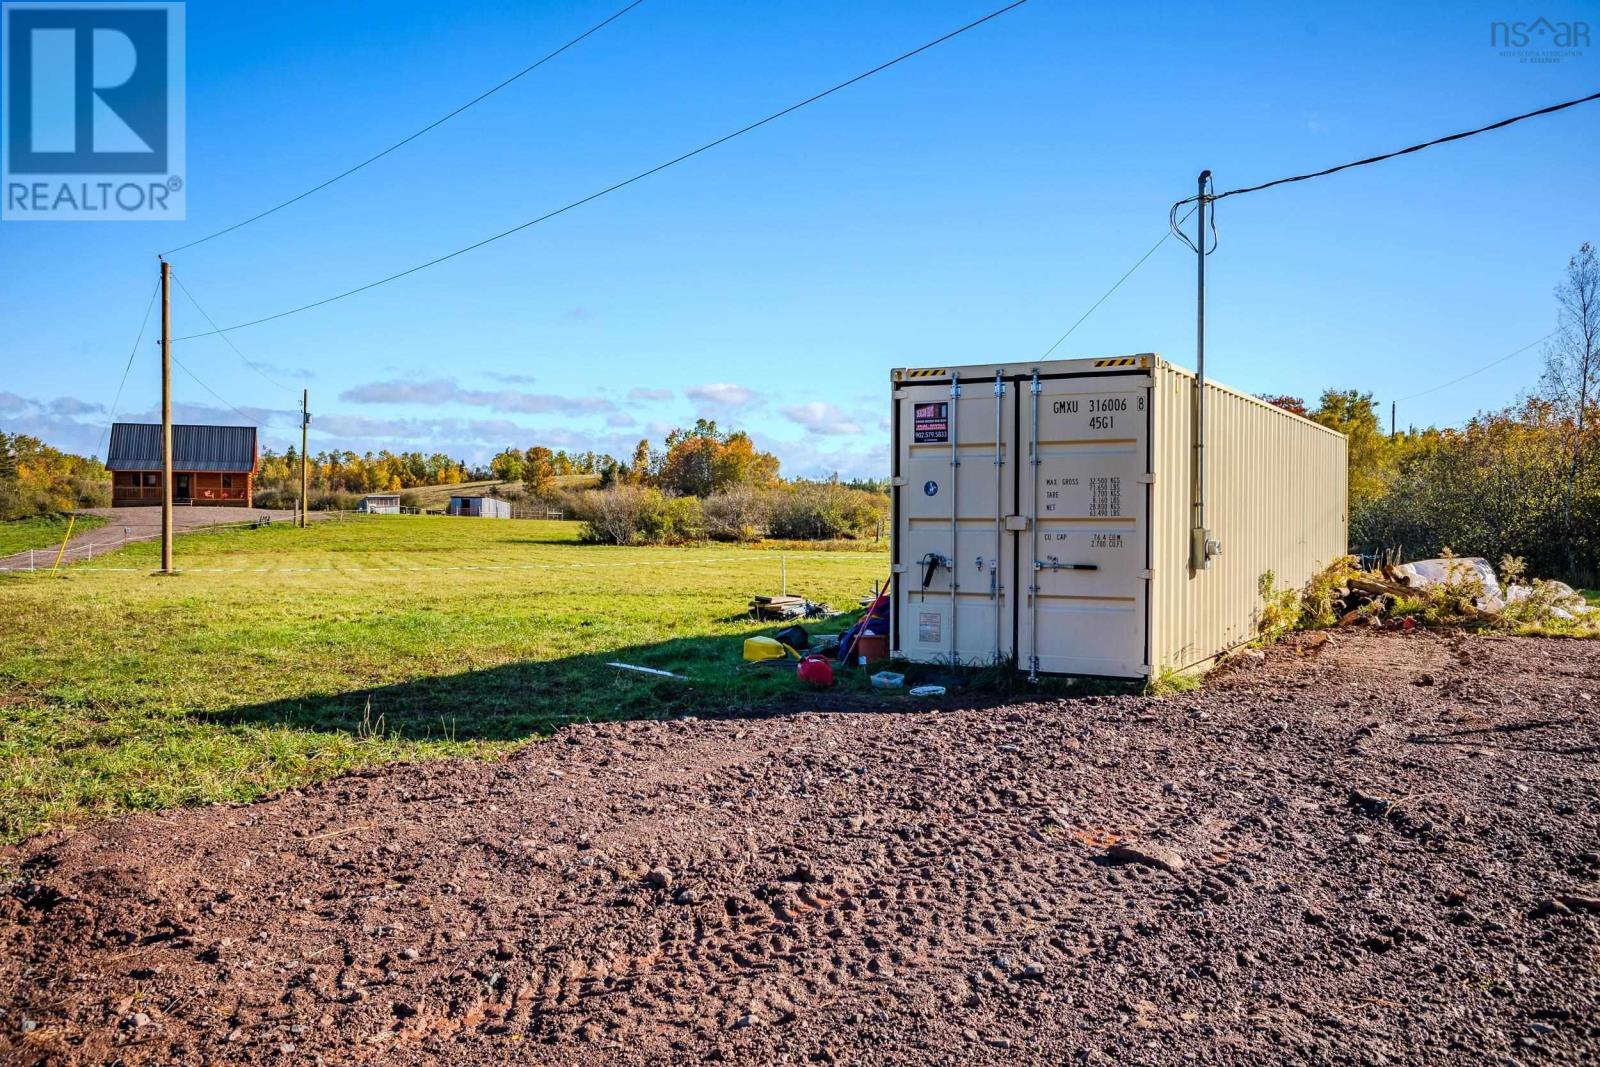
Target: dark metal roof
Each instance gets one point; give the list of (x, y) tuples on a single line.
[(136, 446)]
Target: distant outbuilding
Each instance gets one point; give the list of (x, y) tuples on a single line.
[(480, 507), (212, 466), (380, 504)]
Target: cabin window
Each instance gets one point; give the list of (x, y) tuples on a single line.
[(152, 479), (227, 481)]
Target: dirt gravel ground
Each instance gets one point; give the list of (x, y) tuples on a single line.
[(1368, 849)]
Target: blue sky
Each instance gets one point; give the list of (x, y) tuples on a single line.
[(966, 206)]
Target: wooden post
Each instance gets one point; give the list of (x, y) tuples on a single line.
[(166, 417), (305, 421)]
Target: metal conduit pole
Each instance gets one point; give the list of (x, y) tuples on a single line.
[(1199, 551), (999, 506), (1033, 536), (955, 516)]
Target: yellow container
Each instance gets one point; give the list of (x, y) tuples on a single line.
[(757, 649)]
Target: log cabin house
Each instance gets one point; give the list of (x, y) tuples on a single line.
[(212, 466)]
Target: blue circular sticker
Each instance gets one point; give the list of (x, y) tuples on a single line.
[(930, 487)]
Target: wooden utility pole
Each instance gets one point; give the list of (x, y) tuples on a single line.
[(166, 417), (1393, 404), (305, 482)]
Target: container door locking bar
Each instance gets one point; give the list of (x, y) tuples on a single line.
[(955, 515), (999, 505), (1053, 564), (1033, 530)]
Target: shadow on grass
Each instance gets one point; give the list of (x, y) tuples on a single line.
[(515, 701)]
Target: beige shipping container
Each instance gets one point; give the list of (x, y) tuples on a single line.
[(1045, 514)]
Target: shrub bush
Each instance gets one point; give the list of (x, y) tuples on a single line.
[(738, 514), (825, 511), (803, 511), (634, 515), (272, 499), (335, 501)]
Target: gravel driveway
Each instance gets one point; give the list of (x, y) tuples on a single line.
[(1366, 848), (125, 525)]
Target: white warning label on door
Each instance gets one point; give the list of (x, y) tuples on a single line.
[(930, 628)]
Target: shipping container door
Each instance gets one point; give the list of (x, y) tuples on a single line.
[(951, 598), (1084, 564)]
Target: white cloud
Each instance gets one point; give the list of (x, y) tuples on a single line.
[(444, 391), (638, 394), (80, 426), (723, 395), (71, 405), (822, 419), (620, 418), (280, 370), (803, 459)]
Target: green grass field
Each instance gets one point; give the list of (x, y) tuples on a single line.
[(278, 656), (20, 535)]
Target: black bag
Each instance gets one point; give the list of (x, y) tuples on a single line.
[(795, 637)]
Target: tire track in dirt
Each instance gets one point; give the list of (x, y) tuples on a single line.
[(927, 887)]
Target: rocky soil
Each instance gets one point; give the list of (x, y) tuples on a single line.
[(1364, 848)]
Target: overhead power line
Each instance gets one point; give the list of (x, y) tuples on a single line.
[(657, 169), (228, 340), (1480, 370), (529, 69), (1502, 124), (210, 390), (117, 399), (1093, 307)]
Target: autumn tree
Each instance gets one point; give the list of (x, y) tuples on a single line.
[(36, 479), (1572, 371), (538, 470), (8, 464), (639, 469), (1355, 414), (507, 465), (689, 466), (703, 460), (1288, 403), (737, 462)]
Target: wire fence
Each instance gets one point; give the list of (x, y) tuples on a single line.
[(348, 567), (108, 539)]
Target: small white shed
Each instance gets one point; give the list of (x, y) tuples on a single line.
[(480, 507), (380, 504)]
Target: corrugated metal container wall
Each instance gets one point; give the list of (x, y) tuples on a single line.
[(1275, 499), (1042, 514)]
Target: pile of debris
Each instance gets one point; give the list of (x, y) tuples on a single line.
[(1461, 588)]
